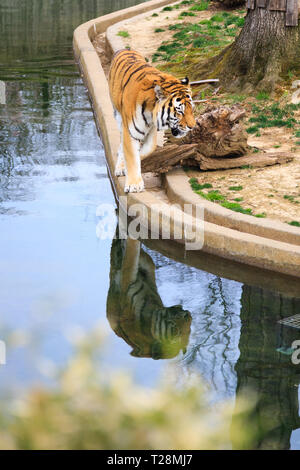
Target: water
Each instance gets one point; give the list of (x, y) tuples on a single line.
[(55, 272)]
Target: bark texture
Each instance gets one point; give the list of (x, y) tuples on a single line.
[(231, 3), (219, 132), (265, 49)]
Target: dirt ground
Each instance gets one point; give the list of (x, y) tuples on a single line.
[(142, 36), (273, 191)]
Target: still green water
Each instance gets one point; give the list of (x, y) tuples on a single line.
[(58, 278)]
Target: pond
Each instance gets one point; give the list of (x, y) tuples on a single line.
[(58, 278)]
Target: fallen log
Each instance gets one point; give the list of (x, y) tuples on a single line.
[(165, 158), (217, 142), (219, 132), (251, 161)]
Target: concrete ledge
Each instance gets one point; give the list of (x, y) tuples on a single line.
[(179, 191), (227, 241)]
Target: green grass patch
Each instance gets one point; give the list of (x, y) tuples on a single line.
[(217, 18), (158, 30), (123, 34), (236, 207), (294, 223), (186, 13), (199, 6), (215, 196), (235, 188), (198, 40), (272, 116), (262, 95)]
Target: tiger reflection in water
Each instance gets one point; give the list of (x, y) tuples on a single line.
[(135, 310)]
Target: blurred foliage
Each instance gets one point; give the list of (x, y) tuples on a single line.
[(91, 408)]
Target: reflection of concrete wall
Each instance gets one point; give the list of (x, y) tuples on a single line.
[(2, 93), (268, 372), (45, 23)]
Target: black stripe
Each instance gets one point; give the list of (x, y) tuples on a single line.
[(134, 72), (169, 109), (140, 78), (121, 59), (131, 64), (136, 128), (149, 88), (162, 114), (143, 113)]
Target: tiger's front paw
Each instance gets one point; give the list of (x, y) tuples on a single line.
[(120, 171), (134, 186)]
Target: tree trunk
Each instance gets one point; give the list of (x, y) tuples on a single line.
[(231, 3), (265, 49)]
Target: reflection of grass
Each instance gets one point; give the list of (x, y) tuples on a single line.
[(91, 408)]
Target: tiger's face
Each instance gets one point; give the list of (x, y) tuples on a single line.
[(175, 111)]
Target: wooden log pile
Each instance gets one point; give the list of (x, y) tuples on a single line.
[(218, 141)]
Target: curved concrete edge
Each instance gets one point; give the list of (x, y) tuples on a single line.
[(228, 243), (179, 191)]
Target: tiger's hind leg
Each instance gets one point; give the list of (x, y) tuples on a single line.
[(120, 169)]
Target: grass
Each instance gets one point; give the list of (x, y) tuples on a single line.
[(214, 195), (123, 34), (294, 223), (190, 40), (272, 116), (236, 207), (262, 96), (159, 30), (235, 188), (291, 198), (199, 6)]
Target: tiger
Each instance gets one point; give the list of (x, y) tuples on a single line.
[(145, 101), (135, 310)]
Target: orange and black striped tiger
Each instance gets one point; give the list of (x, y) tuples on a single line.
[(145, 100)]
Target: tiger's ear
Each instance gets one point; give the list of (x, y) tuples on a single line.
[(185, 81), (159, 92)]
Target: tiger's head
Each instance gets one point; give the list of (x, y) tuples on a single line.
[(174, 107)]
